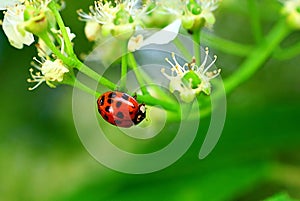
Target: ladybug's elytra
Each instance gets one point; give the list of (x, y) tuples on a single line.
[(120, 109)]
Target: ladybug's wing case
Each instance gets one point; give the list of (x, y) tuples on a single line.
[(104, 107), (117, 108), (123, 110), (116, 119)]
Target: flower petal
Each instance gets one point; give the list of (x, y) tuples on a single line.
[(4, 4), (12, 21), (164, 36), (187, 95)]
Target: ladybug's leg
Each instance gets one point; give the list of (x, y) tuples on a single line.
[(134, 95)]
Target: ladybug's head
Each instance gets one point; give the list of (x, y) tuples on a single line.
[(140, 115)]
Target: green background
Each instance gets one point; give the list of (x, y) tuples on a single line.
[(42, 158)]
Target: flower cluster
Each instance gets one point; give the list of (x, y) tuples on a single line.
[(123, 17), (50, 70), (291, 9), (118, 18), (194, 14), (23, 19), (190, 79)]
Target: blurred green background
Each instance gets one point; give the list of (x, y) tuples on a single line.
[(257, 156)]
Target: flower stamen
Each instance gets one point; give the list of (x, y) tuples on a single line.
[(48, 71), (211, 64), (190, 79)]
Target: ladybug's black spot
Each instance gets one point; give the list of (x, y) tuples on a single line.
[(109, 101), (125, 96), (131, 112), (112, 95), (120, 115), (105, 117), (118, 104), (107, 108), (118, 122), (102, 101)]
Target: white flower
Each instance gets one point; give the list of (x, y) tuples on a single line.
[(4, 4), (292, 10), (208, 6), (13, 29), (102, 13), (190, 79), (14, 25), (114, 17), (171, 6), (191, 12), (49, 71), (92, 30)]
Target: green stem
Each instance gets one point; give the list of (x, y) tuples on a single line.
[(255, 20), (76, 63), (45, 37), (145, 80), (258, 56), (181, 47), (287, 53), (124, 67), (138, 74), (226, 46), (162, 94), (92, 74), (150, 100), (84, 88), (72, 60), (70, 79), (197, 53), (69, 47), (56, 38)]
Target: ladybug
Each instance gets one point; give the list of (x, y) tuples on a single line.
[(120, 109)]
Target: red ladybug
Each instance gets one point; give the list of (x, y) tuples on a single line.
[(120, 109)]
